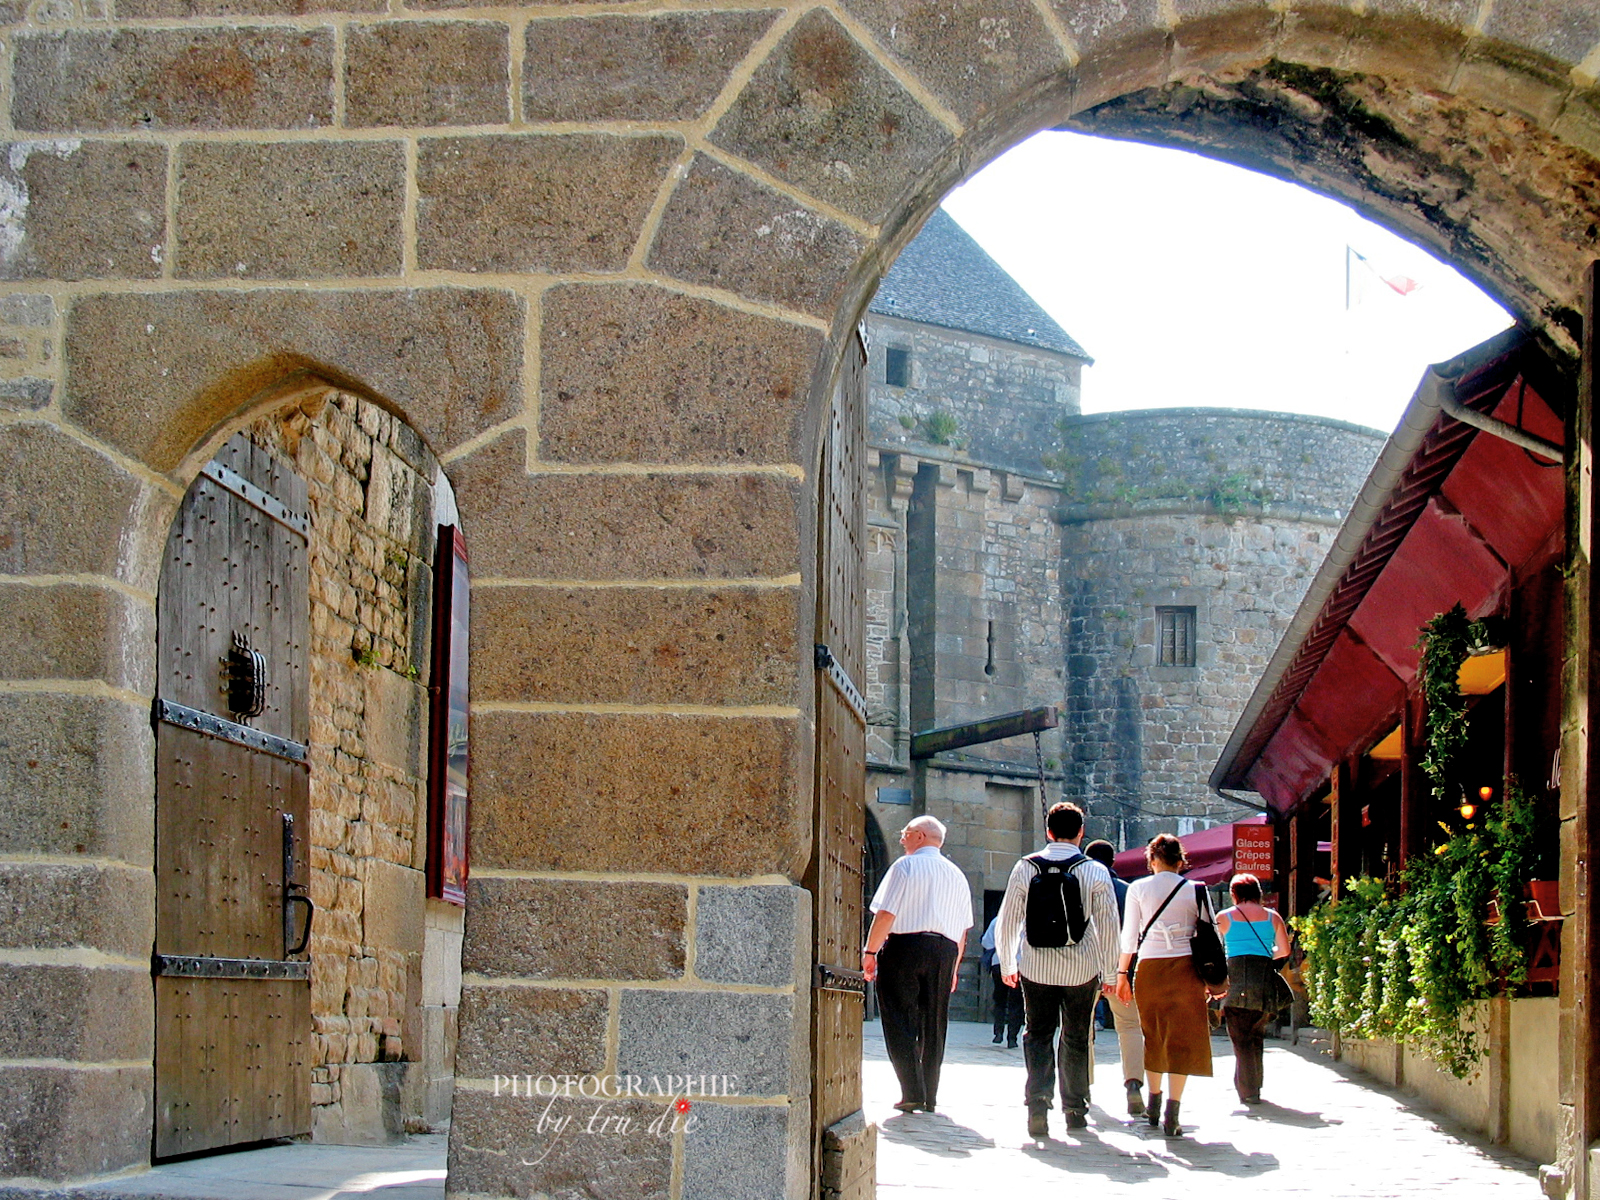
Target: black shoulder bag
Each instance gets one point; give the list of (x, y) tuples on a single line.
[(1205, 948)]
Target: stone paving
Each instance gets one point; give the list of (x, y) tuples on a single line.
[(1325, 1132)]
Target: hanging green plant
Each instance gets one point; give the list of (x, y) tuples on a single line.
[(1410, 966), (1446, 642), (1513, 834)]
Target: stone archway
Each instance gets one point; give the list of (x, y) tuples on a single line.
[(612, 301)]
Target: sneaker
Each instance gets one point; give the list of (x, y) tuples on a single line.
[(1011, 1045), (997, 1038), (1038, 1123), (1135, 1100)]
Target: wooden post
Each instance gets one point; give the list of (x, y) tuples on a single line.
[(1415, 796), (1342, 798), (1579, 1037), (1292, 905)]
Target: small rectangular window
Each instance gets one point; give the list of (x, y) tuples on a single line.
[(1175, 647), (897, 366)]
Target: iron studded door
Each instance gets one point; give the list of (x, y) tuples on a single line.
[(233, 992), (836, 873)]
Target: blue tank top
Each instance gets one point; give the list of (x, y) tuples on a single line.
[(1248, 937)]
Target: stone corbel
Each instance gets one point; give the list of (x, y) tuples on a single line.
[(899, 473)]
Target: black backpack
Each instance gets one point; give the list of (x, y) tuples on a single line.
[(1056, 916)]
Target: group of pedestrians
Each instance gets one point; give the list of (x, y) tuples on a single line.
[(1068, 933)]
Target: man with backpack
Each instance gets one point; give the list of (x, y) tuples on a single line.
[(1058, 933)]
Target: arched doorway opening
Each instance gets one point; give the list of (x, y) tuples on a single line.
[(1422, 160), (310, 786)]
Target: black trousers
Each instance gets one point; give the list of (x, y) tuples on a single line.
[(915, 971), (1246, 1029), (1070, 1010), (1007, 1007)]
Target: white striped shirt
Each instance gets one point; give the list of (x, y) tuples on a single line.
[(1064, 966), (927, 893)]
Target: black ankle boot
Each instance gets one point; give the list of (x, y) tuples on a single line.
[(1152, 1110), (1169, 1123)]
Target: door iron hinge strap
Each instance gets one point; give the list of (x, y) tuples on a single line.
[(842, 683), (840, 979), (200, 966), (231, 481), (185, 717)]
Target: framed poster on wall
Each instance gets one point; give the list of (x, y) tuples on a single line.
[(447, 727)]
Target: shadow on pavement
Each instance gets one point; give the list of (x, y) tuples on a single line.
[(934, 1133), (1084, 1152), (1222, 1157), (1279, 1115)]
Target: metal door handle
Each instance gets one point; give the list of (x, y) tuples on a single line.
[(293, 893), (288, 921)]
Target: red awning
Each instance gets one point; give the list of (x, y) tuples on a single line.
[(1210, 854), (1450, 515)]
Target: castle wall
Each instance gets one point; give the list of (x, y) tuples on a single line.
[(1229, 513)]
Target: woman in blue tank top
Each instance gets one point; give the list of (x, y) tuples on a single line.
[(1253, 936)]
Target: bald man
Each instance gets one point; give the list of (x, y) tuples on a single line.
[(922, 911)]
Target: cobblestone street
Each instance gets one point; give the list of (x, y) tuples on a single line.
[(1322, 1133)]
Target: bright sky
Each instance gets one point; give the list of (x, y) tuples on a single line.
[(1192, 282)]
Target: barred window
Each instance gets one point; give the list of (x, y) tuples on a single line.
[(1175, 647), (897, 366)]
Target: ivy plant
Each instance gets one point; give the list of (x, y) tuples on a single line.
[(1407, 964), (1446, 642)]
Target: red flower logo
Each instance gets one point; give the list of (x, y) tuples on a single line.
[(682, 1106)]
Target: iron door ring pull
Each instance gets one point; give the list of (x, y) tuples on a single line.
[(311, 911)]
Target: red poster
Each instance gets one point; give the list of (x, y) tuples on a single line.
[(1252, 851), (447, 759)]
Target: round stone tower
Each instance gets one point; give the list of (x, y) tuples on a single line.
[(1188, 539)]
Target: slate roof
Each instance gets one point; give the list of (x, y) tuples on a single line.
[(944, 278)]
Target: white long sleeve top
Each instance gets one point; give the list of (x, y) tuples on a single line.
[(1169, 936)]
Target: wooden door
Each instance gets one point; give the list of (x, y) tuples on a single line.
[(836, 874), (232, 986)]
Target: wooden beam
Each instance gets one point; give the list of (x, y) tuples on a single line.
[(990, 729), (1579, 1029), (1416, 794), (1342, 798)]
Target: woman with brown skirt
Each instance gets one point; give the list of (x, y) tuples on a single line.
[(1159, 921)]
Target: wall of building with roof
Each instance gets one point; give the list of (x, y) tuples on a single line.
[(1000, 403)]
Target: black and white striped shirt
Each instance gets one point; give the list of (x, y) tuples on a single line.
[(1066, 966), (927, 893)]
